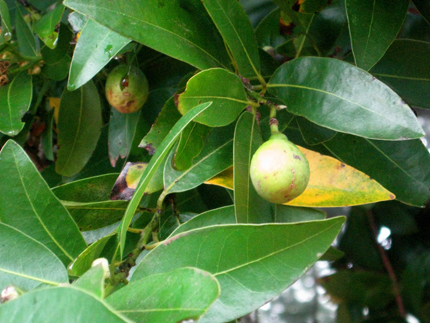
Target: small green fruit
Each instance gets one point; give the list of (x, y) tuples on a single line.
[(279, 171), (126, 88)]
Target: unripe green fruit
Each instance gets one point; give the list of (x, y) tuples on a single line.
[(279, 171), (126, 88)]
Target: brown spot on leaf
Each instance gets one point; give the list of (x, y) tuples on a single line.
[(392, 197)]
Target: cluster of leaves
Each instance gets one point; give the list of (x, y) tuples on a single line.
[(168, 187)]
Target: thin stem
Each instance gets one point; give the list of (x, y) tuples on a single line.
[(273, 121)]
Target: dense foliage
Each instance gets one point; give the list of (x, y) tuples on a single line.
[(151, 216)]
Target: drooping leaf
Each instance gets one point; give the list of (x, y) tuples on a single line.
[(254, 264), (405, 67), (423, 7), (79, 127), (59, 304), (219, 86), (31, 265), (92, 281), (312, 133), (373, 26), (45, 27), (190, 293), (249, 206), (155, 24), (96, 46), (320, 90), (32, 208), (236, 30), (15, 99), (6, 26), (156, 161), (26, 41)]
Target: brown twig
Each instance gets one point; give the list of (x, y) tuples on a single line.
[(387, 265)]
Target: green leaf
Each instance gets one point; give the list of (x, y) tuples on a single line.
[(155, 24), (396, 165), (92, 189), (154, 164), (32, 263), (190, 145), (32, 208), (79, 127), (236, 29), (316, 88), (122, 127), (96, 46), (92, 281), (268, 33), (219, 86), (290, 214), (6, 26), (77, 21), (312, 133), (253, 263), (45, 27), (373, 26), (26, 41), (190, 293), (15, 99), (53, 305), (406, 69), (216, 156), (423, 7), (249, 206)]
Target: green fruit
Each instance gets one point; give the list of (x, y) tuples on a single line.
[(279, 170), (126, 88)]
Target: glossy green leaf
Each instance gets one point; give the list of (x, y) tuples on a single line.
[(216, 156), (15, 99), (92, 189), (253, 263), (397, 165), (26, 41), (406, 69), (27, 204), (183, 294), (26, 263), (236, 29), (45, 27), (268, 31), (312, 133), (154, 164), (96, 46), (167, 118), (423, 7), (94, 215), (249, 206), (122, 127), (289, 214), (196, 42), (92, 281), (83, 262), (219, 86), (77, 21), (53, 305), (79, 127), (190, 145), (373, 26), (6, 26), (316, 88)]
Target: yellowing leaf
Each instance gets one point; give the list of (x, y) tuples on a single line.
[(54, 103), (331, 184)]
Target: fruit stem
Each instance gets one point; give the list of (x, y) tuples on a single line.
[(273, 121)]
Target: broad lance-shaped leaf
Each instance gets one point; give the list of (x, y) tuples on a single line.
[(373, 26), (236, 29), (31, 265), (6, 26), (15, 99), (27, 204), (405, 67), (312, 133), (253, 263), (177, 296), (59, 304), (331, 184), (79, 128), (179, 29), (154, 164), (45, 27), (26, 40), (249, 206), (96, 46), (223, 88), (335, 95)]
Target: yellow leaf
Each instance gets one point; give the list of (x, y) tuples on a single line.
[(331, 184), (54, 103)]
